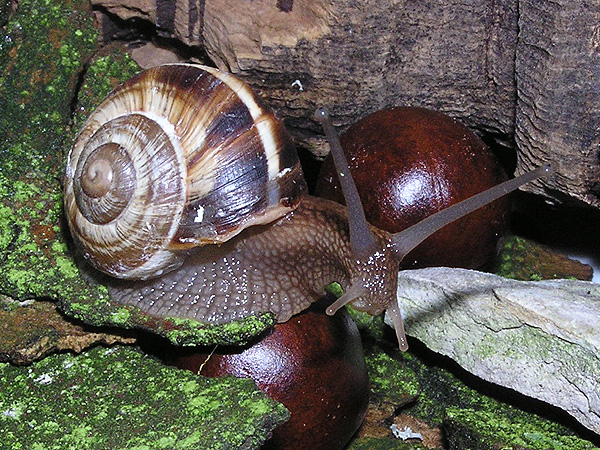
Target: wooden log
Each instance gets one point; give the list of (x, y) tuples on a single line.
[(558, 101), (511, 70), (355, 57)]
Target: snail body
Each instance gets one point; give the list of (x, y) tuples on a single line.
[(279, 268), (184, 184)]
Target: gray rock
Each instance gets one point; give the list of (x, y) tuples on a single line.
[(539, 338)]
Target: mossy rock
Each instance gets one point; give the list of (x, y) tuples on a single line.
[(523, 259), (473, 420), (391, 381), (383, 444), (117, 398), (31, 330), (483, 430), (52, 75), (43, 47), (443, 403)]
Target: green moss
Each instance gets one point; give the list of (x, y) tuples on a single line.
[(444, 399), (42, 50), (33, 263), (522, 259), (372, 328), (66, 266), (121, 316), (105, 72), (119, 399), (369, 443), (24, 191), (237, 332), (469, 428), (391, 381)]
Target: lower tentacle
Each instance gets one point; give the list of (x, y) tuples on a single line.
[(396, 315)]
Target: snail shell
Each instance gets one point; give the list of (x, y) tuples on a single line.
[(154, 170)]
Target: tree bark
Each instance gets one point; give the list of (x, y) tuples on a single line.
[(558, 87), (522, 74), (358, 57)]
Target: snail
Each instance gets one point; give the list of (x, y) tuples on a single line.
[(183, 184)]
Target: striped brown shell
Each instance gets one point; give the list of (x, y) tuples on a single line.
[(179, 156)]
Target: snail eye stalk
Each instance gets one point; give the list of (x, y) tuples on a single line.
[(362, 240), (406, 240)]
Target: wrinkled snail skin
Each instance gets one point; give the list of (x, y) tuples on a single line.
[(280, 268)]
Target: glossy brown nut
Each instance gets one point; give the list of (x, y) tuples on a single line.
[(409, 163), (314, 365)]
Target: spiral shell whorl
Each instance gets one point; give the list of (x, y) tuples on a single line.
[(126, 222), (179, 156)]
